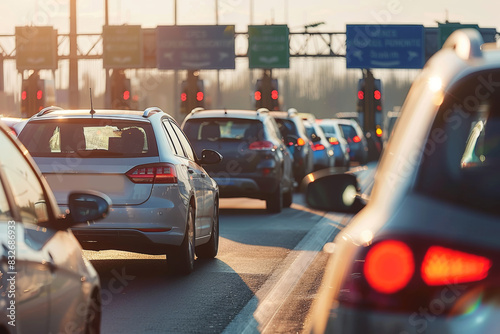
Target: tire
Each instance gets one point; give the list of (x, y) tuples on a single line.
[(274, 203), (288, 198), (93, 319), (210, 249), (180, 261)]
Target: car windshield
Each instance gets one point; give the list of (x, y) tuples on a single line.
[(89, 138), (224, 129)]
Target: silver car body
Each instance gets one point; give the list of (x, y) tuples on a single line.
[(145, 218)]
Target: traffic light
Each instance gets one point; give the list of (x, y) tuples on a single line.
[(192, 92), (36, 94), (120, 90), (266, 93)]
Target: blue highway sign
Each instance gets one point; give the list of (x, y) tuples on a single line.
[(195, 47), (385, 46)]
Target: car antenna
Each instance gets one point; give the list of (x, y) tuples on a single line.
[(92, 111)]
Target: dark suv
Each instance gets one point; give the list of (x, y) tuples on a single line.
[(256, 162), (293, 130)]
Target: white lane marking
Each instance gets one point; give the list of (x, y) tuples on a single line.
[(256, 316)]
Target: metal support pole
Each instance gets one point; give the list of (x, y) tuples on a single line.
[(219, 96), (176, 111), (107, 93), (73, 57)]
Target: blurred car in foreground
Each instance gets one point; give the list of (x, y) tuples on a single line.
[(46, 285), (294, 133), (335, 137), (389, 122), (256, 162), (164, 201), (423, 255)]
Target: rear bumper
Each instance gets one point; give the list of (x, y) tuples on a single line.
[(148, 228)]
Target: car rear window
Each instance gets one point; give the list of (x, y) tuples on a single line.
[(286, 127), (89, 138), (215, 129), (349, 131), (328, 128)]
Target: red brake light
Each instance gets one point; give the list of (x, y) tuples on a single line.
[(389, 266), (333, 141), (261, 145), (153, 173), (318, 147), (356, 139), (444, 266), (301, 142), (39, 94)]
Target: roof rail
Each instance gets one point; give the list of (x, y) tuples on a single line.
[(150, 111), (262, 110), (47, 110), (197, 109), (292, 111), (466, 43)]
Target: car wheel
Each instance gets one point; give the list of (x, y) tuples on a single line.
[(288, 198), (181, 260), (93, 320), (210, 249), (274, 203)]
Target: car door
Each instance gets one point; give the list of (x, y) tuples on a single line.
[(204, 180), (196, 175), (47, 262)]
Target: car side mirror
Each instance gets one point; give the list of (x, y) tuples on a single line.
[(210, 157), (87, 206), (337, 192)]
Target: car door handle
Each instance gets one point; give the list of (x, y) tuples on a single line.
[(203, 175), (190, 171)]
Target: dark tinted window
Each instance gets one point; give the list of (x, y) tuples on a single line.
[(184, 142), (24, 183), (461, 158), (5, 213), (224, 129), (349, 131), (89, 138), (286, 127), (328, 128), (173, 138)]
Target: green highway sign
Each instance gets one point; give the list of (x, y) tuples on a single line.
[(446, 29), (122, 46), (268, 46), (36, 48)]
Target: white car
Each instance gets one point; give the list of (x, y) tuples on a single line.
[(46, 285), (423, 255)]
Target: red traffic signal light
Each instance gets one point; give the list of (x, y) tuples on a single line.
[(274, 94), (126, 95), (361, 95), (258, 95), (24, 95), (377, 95), (39, 94), (199, 96), (184, 97)]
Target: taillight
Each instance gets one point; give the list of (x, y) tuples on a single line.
[(333, 141), (356, 139), (443, 265), (153, 173), (318, 147), (261, 145), (301, 142), (389, 266)]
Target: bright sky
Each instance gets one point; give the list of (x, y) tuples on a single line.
[(297, 13)]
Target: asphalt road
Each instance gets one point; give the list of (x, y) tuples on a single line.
[(264, 279)]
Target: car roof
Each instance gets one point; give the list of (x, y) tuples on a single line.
[(58, 113), (227, 113)]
